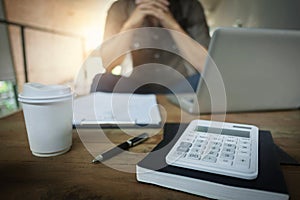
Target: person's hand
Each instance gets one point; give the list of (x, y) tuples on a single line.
[(158, 10), (145, 8), (167, 20)]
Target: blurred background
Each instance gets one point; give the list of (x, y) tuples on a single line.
[(47, 41)]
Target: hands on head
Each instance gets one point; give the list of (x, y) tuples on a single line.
[(156, 11)]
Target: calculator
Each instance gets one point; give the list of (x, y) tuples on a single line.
[(217, 147)]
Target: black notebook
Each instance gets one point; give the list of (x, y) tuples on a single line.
[(269, 184)]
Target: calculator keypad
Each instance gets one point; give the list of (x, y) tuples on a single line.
[(225, 150), (199, 150)]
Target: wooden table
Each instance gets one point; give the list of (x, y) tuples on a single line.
[(72, 176)]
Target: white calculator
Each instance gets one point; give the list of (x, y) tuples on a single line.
[(217, 147)]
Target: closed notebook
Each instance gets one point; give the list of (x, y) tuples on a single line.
[(269, 184)]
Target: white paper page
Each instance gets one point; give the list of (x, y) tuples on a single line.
[(117, 108)]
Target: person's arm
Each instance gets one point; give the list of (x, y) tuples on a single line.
[(196, 28), (116, 17), (194, 47)]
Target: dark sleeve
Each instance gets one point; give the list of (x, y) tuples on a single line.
[(116, 17), (196, 25)]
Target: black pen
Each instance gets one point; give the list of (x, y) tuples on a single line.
[(121, 147)]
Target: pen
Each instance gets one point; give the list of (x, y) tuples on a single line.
[(123, 146)]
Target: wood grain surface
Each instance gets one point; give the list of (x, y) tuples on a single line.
[(73, 176)]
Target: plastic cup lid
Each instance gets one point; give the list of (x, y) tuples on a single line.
[(40, 91)]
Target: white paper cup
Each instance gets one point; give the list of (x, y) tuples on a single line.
[(48, 118)]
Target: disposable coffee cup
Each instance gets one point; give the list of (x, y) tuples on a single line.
[(48, 118)]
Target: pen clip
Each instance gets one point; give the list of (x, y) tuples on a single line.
[(138, 139)]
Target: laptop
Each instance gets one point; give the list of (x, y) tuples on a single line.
[(249, 70)]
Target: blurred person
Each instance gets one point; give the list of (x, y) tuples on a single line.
[(182, 16)]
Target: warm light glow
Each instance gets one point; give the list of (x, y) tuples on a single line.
[(94, 34), (117, 70), (93, 38)]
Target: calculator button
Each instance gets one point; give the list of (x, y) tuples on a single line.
[(228, 150), (244, 152), (201, 141), (244, 139), (213, 153), (246, 143), (209, 158), (217, 138), (195, 156), (189, 139), (215, 148), (202, 134), (179, 154), (231, 140), (229, 156), (199, 145), (244, 147), (219, 144), (202, 138), (229, 145), (191, 134), (243, 162), (185, 144), (225, 162), (197, 150), (183, 149)]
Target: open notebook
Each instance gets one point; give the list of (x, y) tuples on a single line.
[(116, 110)]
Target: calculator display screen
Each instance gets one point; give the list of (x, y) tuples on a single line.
[(223, 131)]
